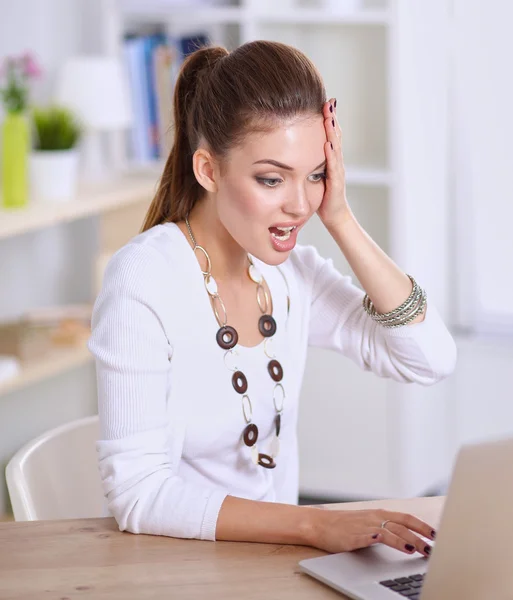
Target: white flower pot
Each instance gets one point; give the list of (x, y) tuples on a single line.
[(53, 175)]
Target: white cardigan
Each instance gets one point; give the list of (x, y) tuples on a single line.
[(171, 422)]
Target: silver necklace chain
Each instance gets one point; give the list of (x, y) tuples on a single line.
[(190, 231)]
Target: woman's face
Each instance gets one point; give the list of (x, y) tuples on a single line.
[(255, 195)]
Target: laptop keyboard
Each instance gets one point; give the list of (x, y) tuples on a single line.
[(410, 587)]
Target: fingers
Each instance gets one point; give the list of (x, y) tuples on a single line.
[(389, 538), (330, 108), (402, 527), (368, 539), (409, 539), (330, 119), (333, 135), (395, 541), (395, 536), (409, 521)]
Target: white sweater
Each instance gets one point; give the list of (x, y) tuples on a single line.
[(171, 422)]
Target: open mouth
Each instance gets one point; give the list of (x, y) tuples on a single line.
[(282, 233)]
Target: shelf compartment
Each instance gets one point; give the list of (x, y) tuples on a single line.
[(356, 76)]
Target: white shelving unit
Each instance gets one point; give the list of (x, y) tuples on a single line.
[(119, 206), (360, 436), (159, 11)]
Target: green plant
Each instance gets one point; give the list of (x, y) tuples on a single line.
[(55, 128)]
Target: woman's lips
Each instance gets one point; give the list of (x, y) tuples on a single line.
[(284, 245)]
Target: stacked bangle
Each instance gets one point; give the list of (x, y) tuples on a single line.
[(413, 306)]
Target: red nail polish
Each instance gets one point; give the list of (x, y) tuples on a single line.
[(409, 547), (335, 103), (433, 534), (333, 122), (375, 536), (427, 549), (331, 145), (331, 108)]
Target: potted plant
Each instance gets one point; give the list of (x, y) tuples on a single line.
[(16, 72), (54, 159)]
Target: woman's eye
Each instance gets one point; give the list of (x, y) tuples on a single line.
[(320, 176), (268, 182)]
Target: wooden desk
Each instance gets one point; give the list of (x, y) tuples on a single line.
[(91, 558)]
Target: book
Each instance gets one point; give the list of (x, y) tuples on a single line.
[(151, 44), (164, 58), (153, 62), (190, 44), (140, 147)]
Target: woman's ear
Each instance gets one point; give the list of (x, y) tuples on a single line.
[(204, 167)]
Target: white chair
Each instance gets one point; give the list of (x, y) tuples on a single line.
[(55, 476)]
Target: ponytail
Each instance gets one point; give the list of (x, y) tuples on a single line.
[(178, 189)]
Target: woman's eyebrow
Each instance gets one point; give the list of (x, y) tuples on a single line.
[(270, 161)]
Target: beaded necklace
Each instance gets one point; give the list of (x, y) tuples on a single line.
[(227, 338)]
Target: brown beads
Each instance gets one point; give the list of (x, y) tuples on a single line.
[(267, 325), (250, 434), (240, 383), (277, 422), (266, 461), (275, 370), (227, 337)]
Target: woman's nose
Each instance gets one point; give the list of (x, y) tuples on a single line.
[(297, 205)]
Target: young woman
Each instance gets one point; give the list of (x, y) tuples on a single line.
[(202, 326)]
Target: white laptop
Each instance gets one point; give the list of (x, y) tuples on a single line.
[(472, 558)]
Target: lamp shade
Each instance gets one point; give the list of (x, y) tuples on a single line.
[(96, 89)]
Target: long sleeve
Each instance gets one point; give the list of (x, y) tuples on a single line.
[(423, 353), (133, 352)]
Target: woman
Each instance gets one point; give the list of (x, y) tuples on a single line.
[(202, 326)]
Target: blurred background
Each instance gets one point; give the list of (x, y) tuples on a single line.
[(424, 99)]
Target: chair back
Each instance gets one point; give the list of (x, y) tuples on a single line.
[(56, 476)]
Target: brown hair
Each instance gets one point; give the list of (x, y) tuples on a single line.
[(222, 96)]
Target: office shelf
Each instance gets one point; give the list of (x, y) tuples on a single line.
[(91, 200), (58, 361)]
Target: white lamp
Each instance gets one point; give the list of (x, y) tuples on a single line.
[(96, 89)]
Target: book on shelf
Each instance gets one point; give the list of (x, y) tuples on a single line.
[(153, 62)]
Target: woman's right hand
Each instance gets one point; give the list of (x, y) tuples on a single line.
[(344, 530)]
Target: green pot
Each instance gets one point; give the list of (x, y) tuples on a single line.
[(15, 152)]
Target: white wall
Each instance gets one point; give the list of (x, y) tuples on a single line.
[(483, 158), (51, 266)]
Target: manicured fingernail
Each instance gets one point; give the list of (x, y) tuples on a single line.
[(375, 536), (427, 549), (333, 122), (410, 548), (433, 534), (331, 108), (335, 103), (331, 145)]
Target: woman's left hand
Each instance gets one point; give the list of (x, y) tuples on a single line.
[(334, 207)]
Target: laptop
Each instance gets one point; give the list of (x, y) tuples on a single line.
[(472, 558)]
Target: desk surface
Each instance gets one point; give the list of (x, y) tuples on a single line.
[(91, 558)]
